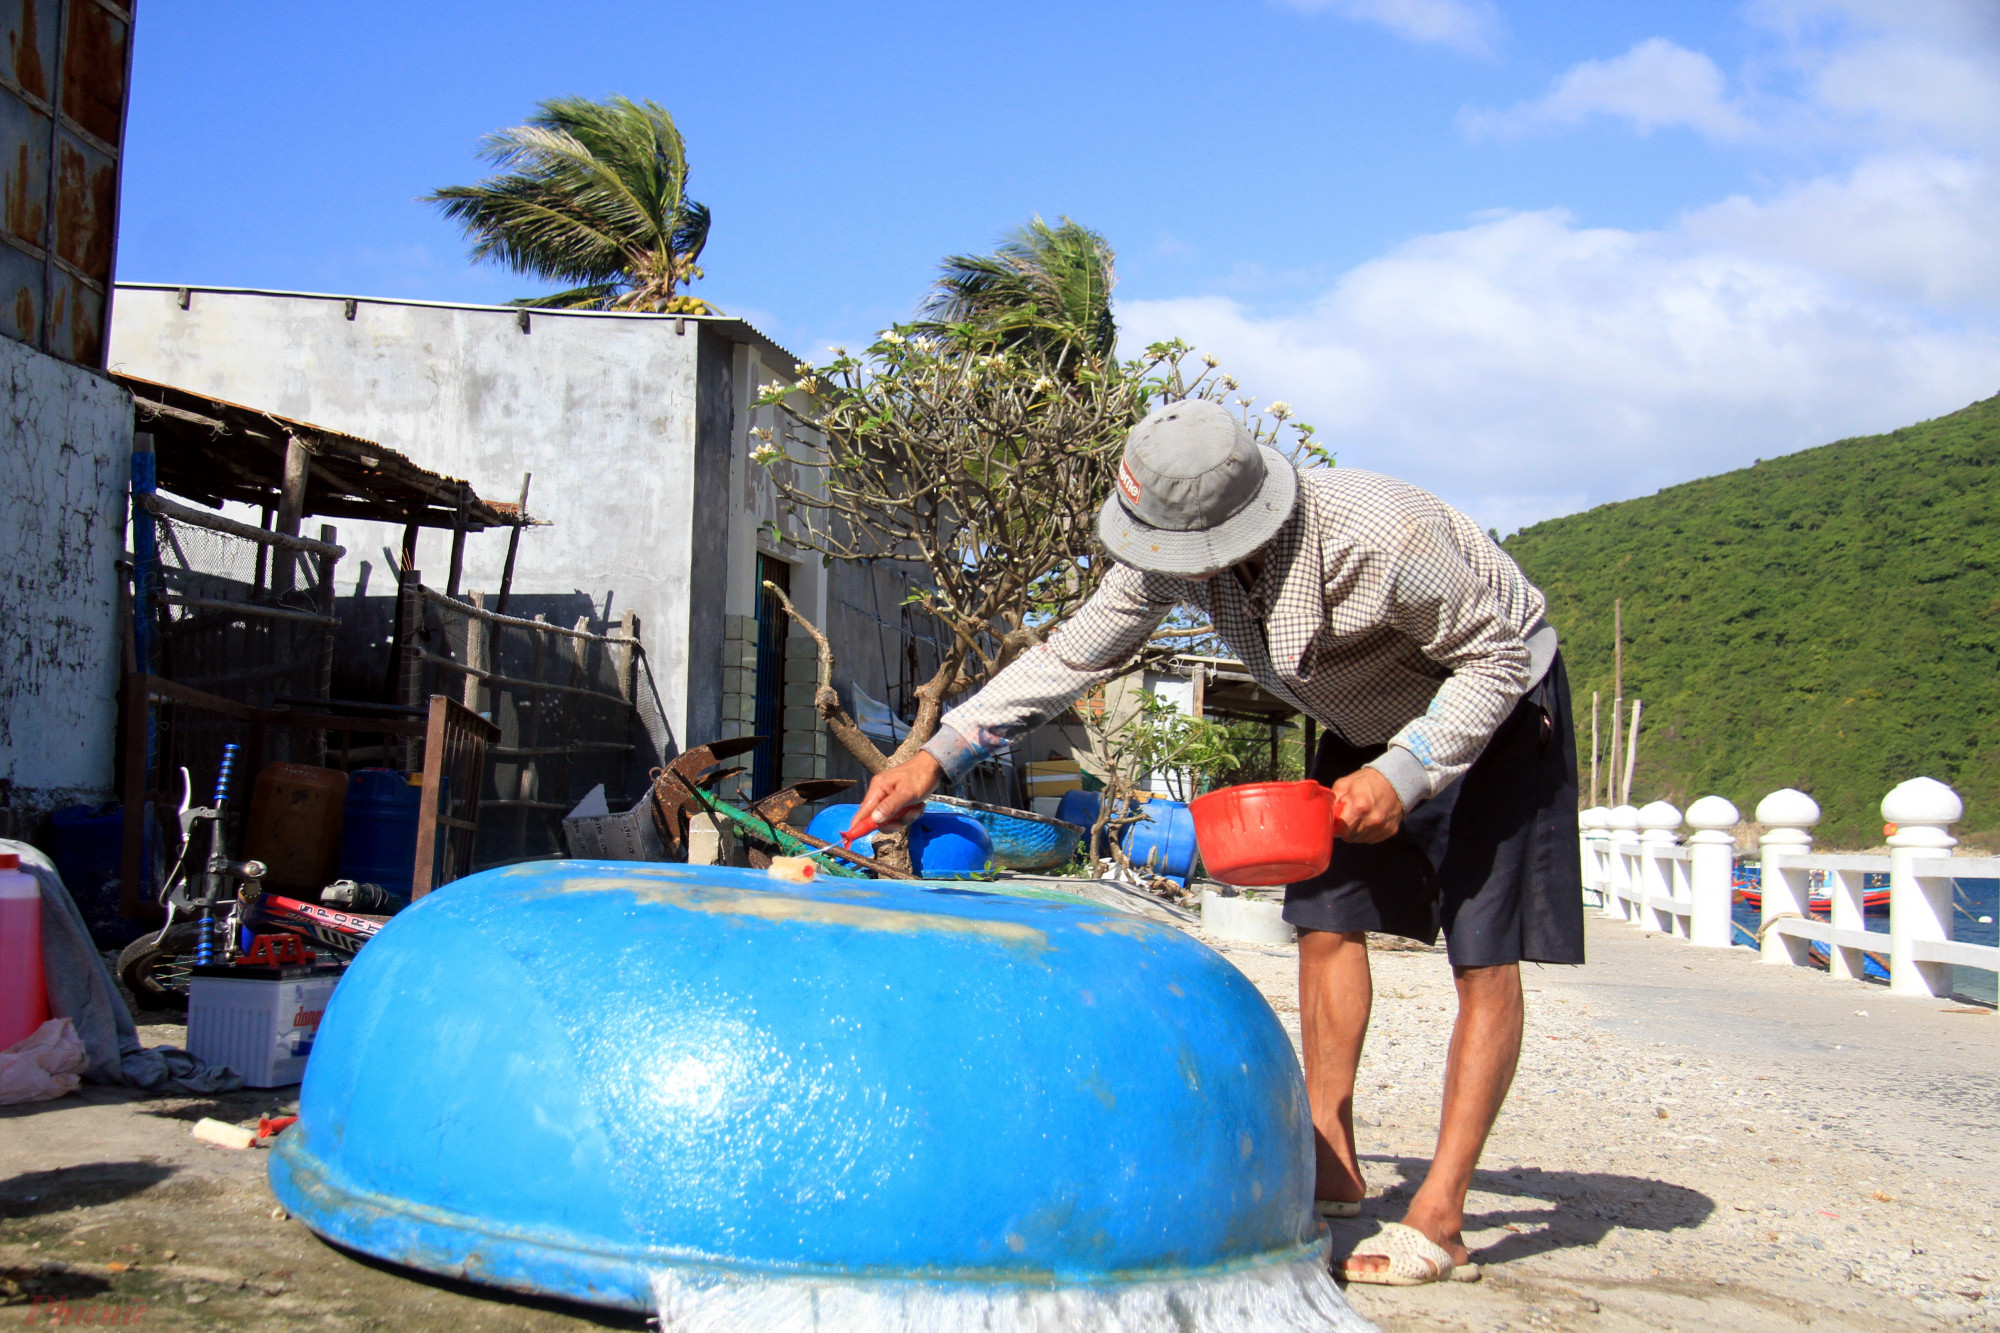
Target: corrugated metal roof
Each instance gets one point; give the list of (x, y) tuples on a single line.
[(739, 330), (211, 450)]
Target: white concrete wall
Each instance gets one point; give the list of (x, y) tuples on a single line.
[(604, 410), (65, 452)]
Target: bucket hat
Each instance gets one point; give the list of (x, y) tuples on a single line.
[(1195, 492)]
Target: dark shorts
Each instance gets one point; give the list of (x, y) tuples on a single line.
[(1493, 858)]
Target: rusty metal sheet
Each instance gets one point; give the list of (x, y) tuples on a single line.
[(20, 294), (76, 320), (94, 64), (31, 44), (24, 171), (59, 169), (86, 207)]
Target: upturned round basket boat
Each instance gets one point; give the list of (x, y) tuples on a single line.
[(1022, 840), (742, 1103)]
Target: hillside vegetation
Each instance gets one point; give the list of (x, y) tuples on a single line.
[(1828, 620)]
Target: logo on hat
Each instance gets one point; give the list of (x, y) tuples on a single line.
[(1127, 482)]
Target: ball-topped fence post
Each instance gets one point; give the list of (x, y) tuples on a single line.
[(1711, 870), (1624, 854), (1660, 888), (1788, 816), (1595, 826), (1922, 809)]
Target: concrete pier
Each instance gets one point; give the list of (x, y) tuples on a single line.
[(1694, 1141)]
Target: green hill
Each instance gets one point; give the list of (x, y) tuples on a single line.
[(1828, 620)]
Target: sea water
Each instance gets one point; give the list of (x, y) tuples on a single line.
[(1975, 919)]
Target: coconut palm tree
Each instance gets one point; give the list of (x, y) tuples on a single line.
[(1043, 288), (593, 194)]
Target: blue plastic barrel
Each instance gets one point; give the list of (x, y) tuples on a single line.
[(378, 833), (1167, 829), (1080, 807), (87, 844)]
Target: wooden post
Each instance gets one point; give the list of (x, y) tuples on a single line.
[(628, 656), (513, 546), (392, 678), (135, 888), (323, 680), (476, 632), (291, 511), (1631, 754), (1617, 690), (410, 659), (457, 543), (263, 552), (1594, 697)]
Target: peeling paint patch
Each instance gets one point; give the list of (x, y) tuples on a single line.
[(786, 908)]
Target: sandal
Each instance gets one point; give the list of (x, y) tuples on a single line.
[(1337, 1207), (1415, 1260)]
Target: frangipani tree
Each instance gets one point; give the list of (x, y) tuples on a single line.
[(983, 465)]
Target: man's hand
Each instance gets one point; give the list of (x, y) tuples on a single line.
[(1370, 810), (894, 790)]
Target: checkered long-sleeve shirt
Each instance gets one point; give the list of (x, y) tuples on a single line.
[(1381, 612)]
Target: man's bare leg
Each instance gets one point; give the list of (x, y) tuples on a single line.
[(1335, 994), (1485, 1047)]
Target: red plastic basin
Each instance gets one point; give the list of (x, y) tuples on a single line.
[(1265, 832)]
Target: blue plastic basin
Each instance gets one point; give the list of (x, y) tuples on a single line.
[(835, 820), (695, 1088)]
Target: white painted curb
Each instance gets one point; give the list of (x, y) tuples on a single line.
[(1249, 920)]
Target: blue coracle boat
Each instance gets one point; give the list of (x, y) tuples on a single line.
[(743, 1103)]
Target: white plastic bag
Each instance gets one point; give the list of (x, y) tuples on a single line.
[(45, 1064)]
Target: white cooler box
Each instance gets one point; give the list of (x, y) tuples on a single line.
[(260, 1021)]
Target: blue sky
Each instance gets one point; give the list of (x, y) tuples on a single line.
[(1534, 256)]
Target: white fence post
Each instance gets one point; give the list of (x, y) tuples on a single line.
[(1790, 816), (1922, 810), (1847, 912), (1595, 825), (1657, 823), (1711, 870), (1624, 853)]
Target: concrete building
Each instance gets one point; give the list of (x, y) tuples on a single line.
[(65, 449), (66, 434), (634, 427)]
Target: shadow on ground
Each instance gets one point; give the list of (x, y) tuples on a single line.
[(499, 1296), (33, 1193), (1588, 1206)]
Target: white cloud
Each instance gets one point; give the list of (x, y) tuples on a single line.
[(1467, 25), (1525, 366), (1926, 81), (1914, 225), (1655, 85)]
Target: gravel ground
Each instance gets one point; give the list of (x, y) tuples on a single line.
[(1695, 1141)]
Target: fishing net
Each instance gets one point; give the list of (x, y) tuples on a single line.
[(231, 616)]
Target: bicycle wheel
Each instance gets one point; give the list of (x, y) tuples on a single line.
[(156, 967)]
